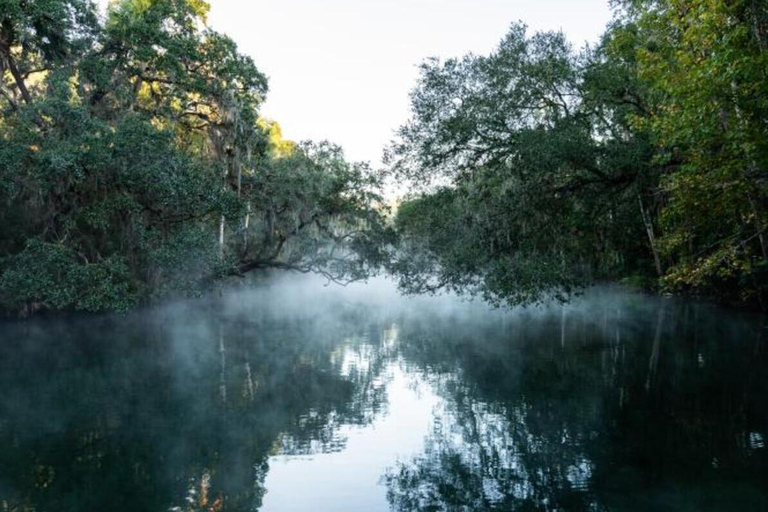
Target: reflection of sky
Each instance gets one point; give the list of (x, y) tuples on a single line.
[(438, 403), (350, 480)]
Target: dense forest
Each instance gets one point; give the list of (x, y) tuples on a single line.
[(134, 163), (644, 157)]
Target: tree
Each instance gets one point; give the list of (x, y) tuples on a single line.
[(706, 61), (543, 172), (317, 213), (37, 35), (645, 155), (138, 167)]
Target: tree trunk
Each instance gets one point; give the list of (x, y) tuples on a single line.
[(760, 22), (759, 226), (5, 51), (651, 236), (246, 225), (222, 223)]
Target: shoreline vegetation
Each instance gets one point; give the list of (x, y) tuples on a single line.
[(135, 165)]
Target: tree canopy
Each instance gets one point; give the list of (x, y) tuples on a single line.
[(134, 163), (538, 169)]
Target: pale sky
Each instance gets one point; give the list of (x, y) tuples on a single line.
[(341, 70)]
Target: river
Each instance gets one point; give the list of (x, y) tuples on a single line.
[(302, 397)]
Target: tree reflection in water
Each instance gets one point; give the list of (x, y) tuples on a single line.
[(178, 411), (634, 404), (618, 402)]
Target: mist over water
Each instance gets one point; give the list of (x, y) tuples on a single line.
[(299, 396)]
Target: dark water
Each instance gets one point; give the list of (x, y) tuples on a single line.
[(303, 398)]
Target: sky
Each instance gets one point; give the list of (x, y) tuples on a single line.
[(341, 70)]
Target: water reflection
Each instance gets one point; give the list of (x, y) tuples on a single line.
[(176, 411), (620, 403), (617, 402)]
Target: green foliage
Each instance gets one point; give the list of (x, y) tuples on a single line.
[(48, 30), (647, 152), (52, 276), (102, 197), (317, 211), (134, 165), (544, 174), (709, 70)]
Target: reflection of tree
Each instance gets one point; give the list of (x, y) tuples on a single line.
[(615, 406), (177, 413), (608, 405)]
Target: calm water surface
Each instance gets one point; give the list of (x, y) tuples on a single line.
[(305, 398)]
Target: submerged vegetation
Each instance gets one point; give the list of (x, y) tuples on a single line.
[(134, 163)]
